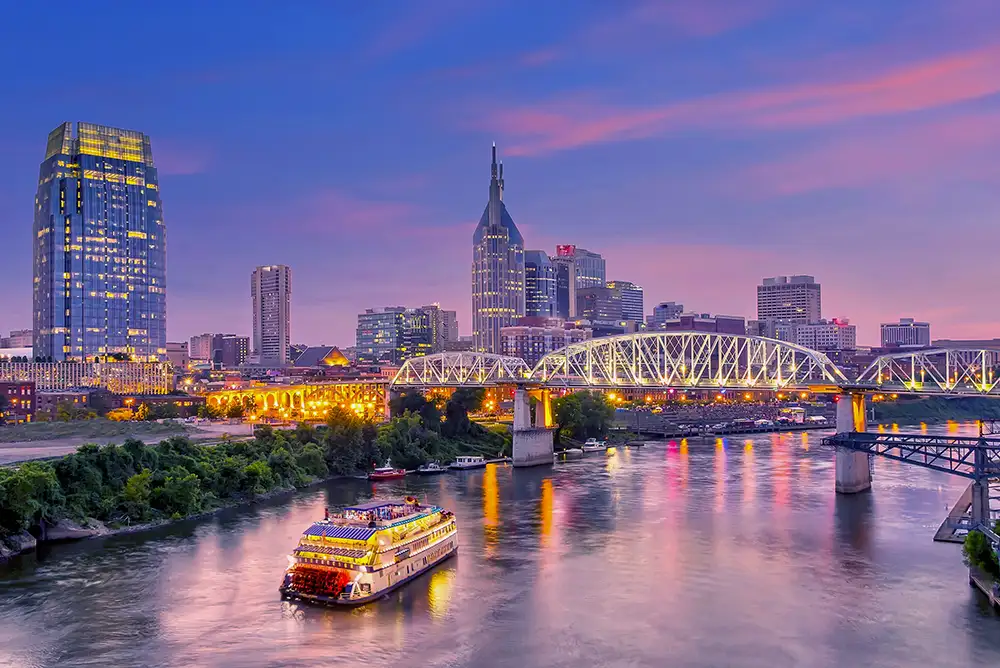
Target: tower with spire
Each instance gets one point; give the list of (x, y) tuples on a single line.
[(497, 268)]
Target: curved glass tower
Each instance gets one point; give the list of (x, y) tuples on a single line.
[(497, 269), (99, 248)]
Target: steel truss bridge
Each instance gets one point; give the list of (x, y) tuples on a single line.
[(967, 456), (708, 361)]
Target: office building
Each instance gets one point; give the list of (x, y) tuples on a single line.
[(200, 347), (229, 350), (271, 293), (443, 324), (19, 338), (393, 334), (789, 299), (662, 312), (539, 285), (497, 268), (598, 304), (565, 275), (906, 332), (823, 335), (99, 248), (588, 268), (630, 296), (177, 354), (705, 322), (534, 337)]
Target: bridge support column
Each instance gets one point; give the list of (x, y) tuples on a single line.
[(980, 509), (853, 470), (532, 444)]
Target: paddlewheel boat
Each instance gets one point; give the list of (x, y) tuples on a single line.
[(368, 550)]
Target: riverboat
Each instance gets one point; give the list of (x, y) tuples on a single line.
[(432, 468), (468, 462), (386, 472), (368, 550)]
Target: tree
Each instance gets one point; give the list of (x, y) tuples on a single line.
[(978, 552), (344, 441), (282, 465), (142, 412), (136, 496), (257, 478), (235, 410), (312, 462), (416, 403), (29, 495), (462, 402), (583, 415), (180, 494)]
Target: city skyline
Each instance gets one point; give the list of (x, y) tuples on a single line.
[(827, 147)]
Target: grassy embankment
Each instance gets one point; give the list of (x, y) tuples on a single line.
[(98, 428)]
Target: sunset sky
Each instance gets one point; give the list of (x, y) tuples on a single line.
[(699, 145)]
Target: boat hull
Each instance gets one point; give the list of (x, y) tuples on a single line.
[(467, 467), (291, 594), (386, 476)]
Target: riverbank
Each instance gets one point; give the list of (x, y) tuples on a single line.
[(936, 410)]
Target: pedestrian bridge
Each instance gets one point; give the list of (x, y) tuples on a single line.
[(708, 361)]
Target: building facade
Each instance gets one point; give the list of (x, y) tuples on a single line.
[(17, 402), (393, 334), (19, 338), (271, 294), (497, 269), (229, 350), (177, 354), (705, 322), (539, 285), (588, 268), (535, 338), (906, 332), (833, 335), (662, 312), (443, 325), (789, 299), (598, 304), (630, 296), (200, 347), (100, 285)]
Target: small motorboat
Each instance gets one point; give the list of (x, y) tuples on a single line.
[(570, 452), (593, 445), (432, 468), (386, 472)]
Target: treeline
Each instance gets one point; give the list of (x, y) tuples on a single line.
[(938, 409), (583, 415), (134, 482)]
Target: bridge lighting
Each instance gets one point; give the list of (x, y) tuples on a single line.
[(747, 396)]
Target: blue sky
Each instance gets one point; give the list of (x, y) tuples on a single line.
[(698, 145)]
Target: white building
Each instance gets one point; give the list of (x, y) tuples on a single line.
[(271, 293), (789, 299), (906, 332), (833, 335)]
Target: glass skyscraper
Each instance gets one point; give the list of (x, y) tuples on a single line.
[(497, 269), (393, 334), (99, 248), (539, 285)]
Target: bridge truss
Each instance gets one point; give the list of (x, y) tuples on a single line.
[(460, 369), (966, 456), (700, 360), (935, 371)]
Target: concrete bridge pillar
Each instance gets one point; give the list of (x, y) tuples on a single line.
[(532, 444), (853, 469)]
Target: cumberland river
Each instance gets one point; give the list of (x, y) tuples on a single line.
[(683, 554)]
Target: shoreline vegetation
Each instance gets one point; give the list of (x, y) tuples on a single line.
[(936, 410), (99, 491)]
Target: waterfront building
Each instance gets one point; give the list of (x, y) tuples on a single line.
[(19, 338), (630, 296), (392, 335), (200, 347), (539, 285), (497, 268), (662, 312), (17, 402), (825, 335), (271, 294), (99, 248), (177, 353), (534, 337), (789, 299), (906, 332), (705, 322)]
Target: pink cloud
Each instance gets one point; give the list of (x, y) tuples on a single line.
[(948, 148), (572, 122)]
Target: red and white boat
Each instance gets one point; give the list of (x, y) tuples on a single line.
[(386, 472)]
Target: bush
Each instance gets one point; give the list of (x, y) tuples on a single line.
[(978, 552)]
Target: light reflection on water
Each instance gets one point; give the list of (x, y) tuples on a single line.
[(730, 552)]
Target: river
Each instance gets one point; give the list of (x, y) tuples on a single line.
[(684, 554)]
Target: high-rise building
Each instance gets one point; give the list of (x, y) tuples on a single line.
[(539, 285), (599, 305), (565, 274), (705, 322), (443, 325), (789, 299), (589, 267), (833, 335), (19, 338), (177, 353), (630, 296), (200, 347), (662, 312), (271, 293), (906, 332), (100, 259), (534, 338), (497, 268), (393, 334), (229, 351)]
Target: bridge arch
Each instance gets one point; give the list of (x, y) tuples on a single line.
[(699, 360), (457, 369), (936, 371)]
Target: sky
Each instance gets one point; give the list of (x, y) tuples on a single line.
[(699, 145)]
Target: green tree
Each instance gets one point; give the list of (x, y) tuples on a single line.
[(583, 415), (136, 496), (235, 410), (416, 403), (977, 552), (407, 441), (344, 440), (180, 494), (142, 412), (282, 465), (257, 478), (29, 495), (462, 402), (312, 462)]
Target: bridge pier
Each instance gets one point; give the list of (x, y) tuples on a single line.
[(853, 470), (532, 443)]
